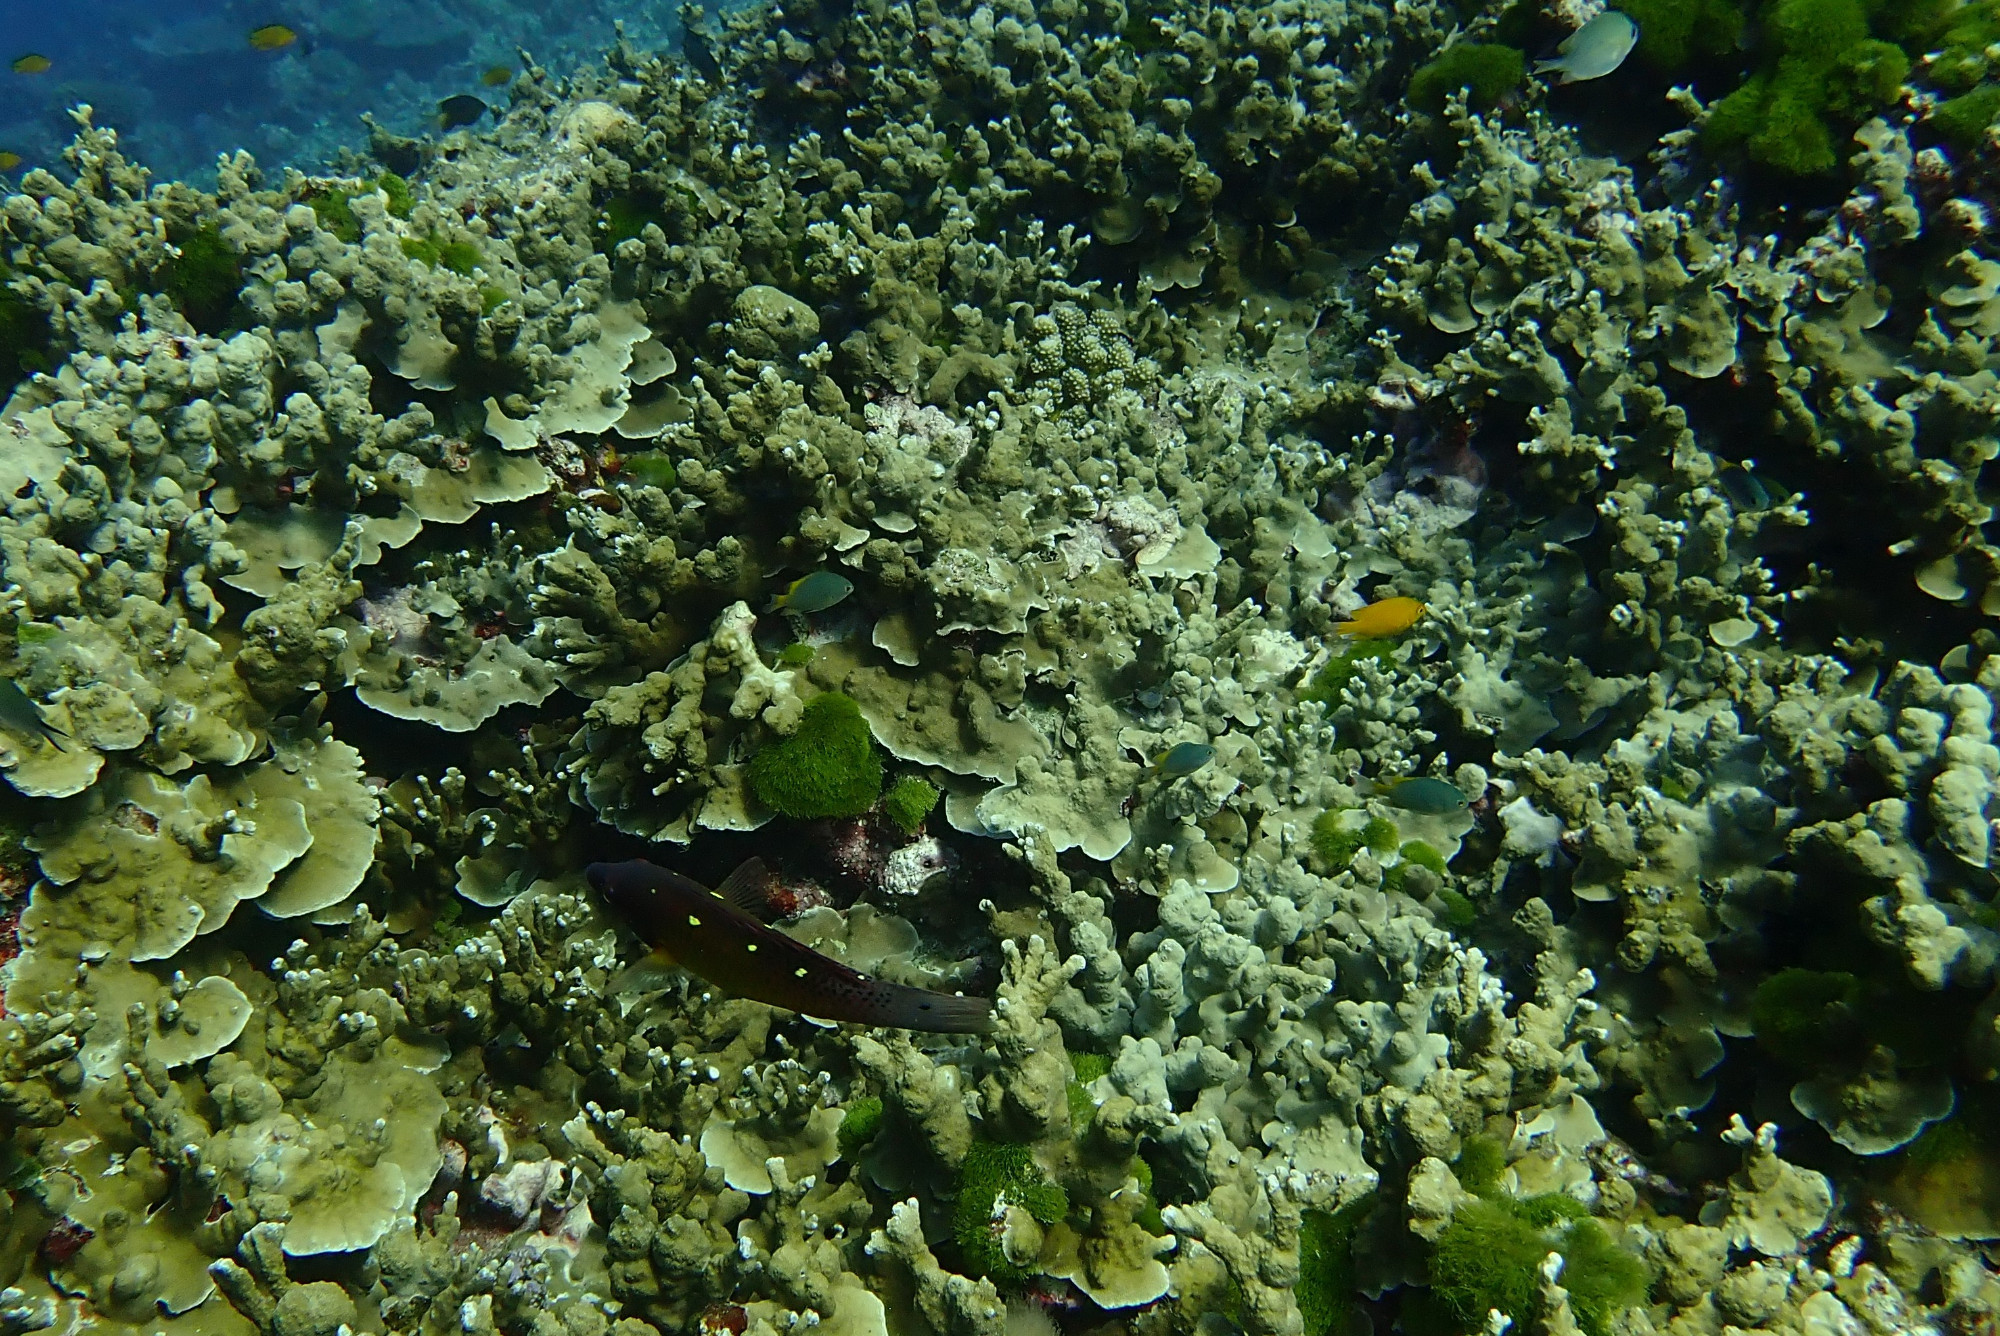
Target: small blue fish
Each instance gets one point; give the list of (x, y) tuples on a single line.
[(18, 714), (1183, 758), (1749, 490), (1423, 795), (812, 593)]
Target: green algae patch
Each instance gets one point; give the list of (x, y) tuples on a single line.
[(1459, 913), (1948, 1179), (1479, 1165), (859, 1124), (1335, 841), (827, 768), (335, 214), (1418, 854), (909, 800), (1490, 1257), (1082, 1108), (397, 192), (623, 219), (1825, 74), (460, 257), (1673, 33), (1807, 1017), (1326, 684), (203, 280), (1963, 121), (992, 1178), (1327, 1285), (24, 335), (1487, 71)]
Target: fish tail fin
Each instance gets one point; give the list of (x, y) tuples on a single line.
[(921, 1009), (651, 973)]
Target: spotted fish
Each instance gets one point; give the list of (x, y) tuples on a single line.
[(720, 935)]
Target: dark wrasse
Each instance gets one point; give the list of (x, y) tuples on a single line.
[(719, 934)]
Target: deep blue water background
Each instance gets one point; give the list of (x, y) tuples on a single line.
[(182, 84)]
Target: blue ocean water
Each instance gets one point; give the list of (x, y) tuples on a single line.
[(182, 82)]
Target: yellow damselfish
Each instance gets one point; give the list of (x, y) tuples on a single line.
[(272, 37), (1384, 617), (32, 63)]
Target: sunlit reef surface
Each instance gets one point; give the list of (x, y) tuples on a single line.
[(1426, 638)]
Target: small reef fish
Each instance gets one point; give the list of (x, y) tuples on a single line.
[(1383, 617), (721, 935), (812, 593), (32, 63), (9, 160), (18, 714), (1183, 758), (272, 37), (1749, 490), (497, 76), (1423, 795), (461, 109), (1594, 50)]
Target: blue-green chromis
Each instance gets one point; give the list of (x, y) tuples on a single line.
[(812, 593), (1183, 758), (1424, 795)]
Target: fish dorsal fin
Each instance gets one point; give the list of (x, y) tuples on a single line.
[(748, 890)]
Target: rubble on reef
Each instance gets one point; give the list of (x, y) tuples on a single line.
[(946, 448)]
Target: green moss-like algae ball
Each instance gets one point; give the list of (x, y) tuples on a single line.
[(1479, 1165), (624, 217), (991, 1178), (1807, 1016), (461, 257), (1459, 911), (1825, 74), (1673, 32), (204, 280), (335, 215), (1419, 854), (1486, 71), (827, 768), (397, 191), (909, 801), (1333, 847), (1326, 1286), (1963, 121), (859, 1124), (1490, 1257)]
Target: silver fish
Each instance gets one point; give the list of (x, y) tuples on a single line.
[(1594, 50)]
